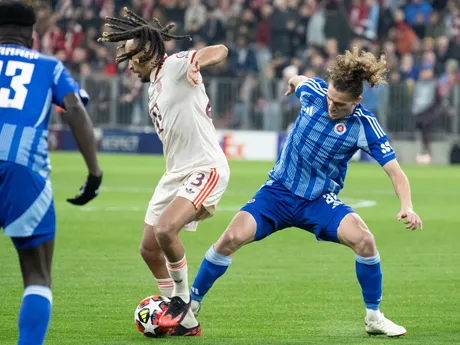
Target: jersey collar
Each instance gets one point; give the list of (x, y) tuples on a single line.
[(355, 111), (13, 45), (156, 70)]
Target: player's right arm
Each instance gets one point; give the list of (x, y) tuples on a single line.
[(307, 90), (294, 82), (68, 95)]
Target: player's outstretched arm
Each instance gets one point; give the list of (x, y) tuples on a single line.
[(402, 189), (204, 57), (82, 130), (293, 82), (211, 55)]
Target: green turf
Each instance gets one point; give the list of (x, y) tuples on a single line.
[(288, 289)]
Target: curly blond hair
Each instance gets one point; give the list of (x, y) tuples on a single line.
[(351, 69)]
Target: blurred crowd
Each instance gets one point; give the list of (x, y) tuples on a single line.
[(274, 39), (306, 34)]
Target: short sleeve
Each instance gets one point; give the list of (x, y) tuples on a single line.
[(177, 64), (373, 140), (64, 84), (310, 90)]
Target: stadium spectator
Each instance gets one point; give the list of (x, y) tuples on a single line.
[(416, 9), (280, 29), (195, 14), (436, 26), (403, 35), (243, 58), (263, 27), (337, 25), (213, 29), (398, 104), (315, 29), (425, 108)]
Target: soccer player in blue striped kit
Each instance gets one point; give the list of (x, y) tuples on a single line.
[(309, 173), (29, 83)]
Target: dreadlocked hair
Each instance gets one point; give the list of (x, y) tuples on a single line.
[(350, 70), (132, 26)]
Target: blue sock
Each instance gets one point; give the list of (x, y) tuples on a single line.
[(370, 279), (35, 315), (213, 266)]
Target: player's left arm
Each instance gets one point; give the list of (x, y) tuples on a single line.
[(205, 57), (402, 189), (68, 95), (374, 141)]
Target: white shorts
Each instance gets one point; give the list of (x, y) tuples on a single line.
[(202, 187)]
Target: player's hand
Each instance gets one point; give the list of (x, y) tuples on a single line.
[(193, 74), (412, 220), (290, 90), (88, 191)]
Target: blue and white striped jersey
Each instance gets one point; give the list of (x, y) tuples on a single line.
[(29, 83), (315, 157)]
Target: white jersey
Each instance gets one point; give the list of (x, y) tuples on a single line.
[(181, 116)]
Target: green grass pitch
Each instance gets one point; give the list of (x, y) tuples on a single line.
[(287, 289)]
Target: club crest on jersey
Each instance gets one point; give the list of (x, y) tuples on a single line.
[(159, 86), (340, 128)]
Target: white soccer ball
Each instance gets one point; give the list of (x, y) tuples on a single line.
[(147, 314)]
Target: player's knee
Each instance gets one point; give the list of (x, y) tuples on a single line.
[(150, 254), (231, 240), (366, 245), (354, 233), (165, 233)]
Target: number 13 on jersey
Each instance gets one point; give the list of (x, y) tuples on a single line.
[(17, 85)]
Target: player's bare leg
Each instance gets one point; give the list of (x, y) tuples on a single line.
[(240, 231), (36, 264), (167, 227), (36, 305), (354, 233), (154, 257)]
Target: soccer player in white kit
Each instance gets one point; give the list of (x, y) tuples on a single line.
[(197, 171)]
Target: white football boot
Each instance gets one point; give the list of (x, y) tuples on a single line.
[(377, 324)]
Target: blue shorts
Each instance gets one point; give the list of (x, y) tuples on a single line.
[(26, 206), (274, 208)]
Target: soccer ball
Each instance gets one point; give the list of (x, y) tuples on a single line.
[(147, 314)]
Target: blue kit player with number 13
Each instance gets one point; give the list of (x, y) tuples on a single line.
[(29, 83), (309, 173)]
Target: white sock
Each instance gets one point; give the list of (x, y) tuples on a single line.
[(178, 273), (166, 286), (189, 320), (373, 314)]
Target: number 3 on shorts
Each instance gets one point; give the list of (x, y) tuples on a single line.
[(200, 185), (197, 179)]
